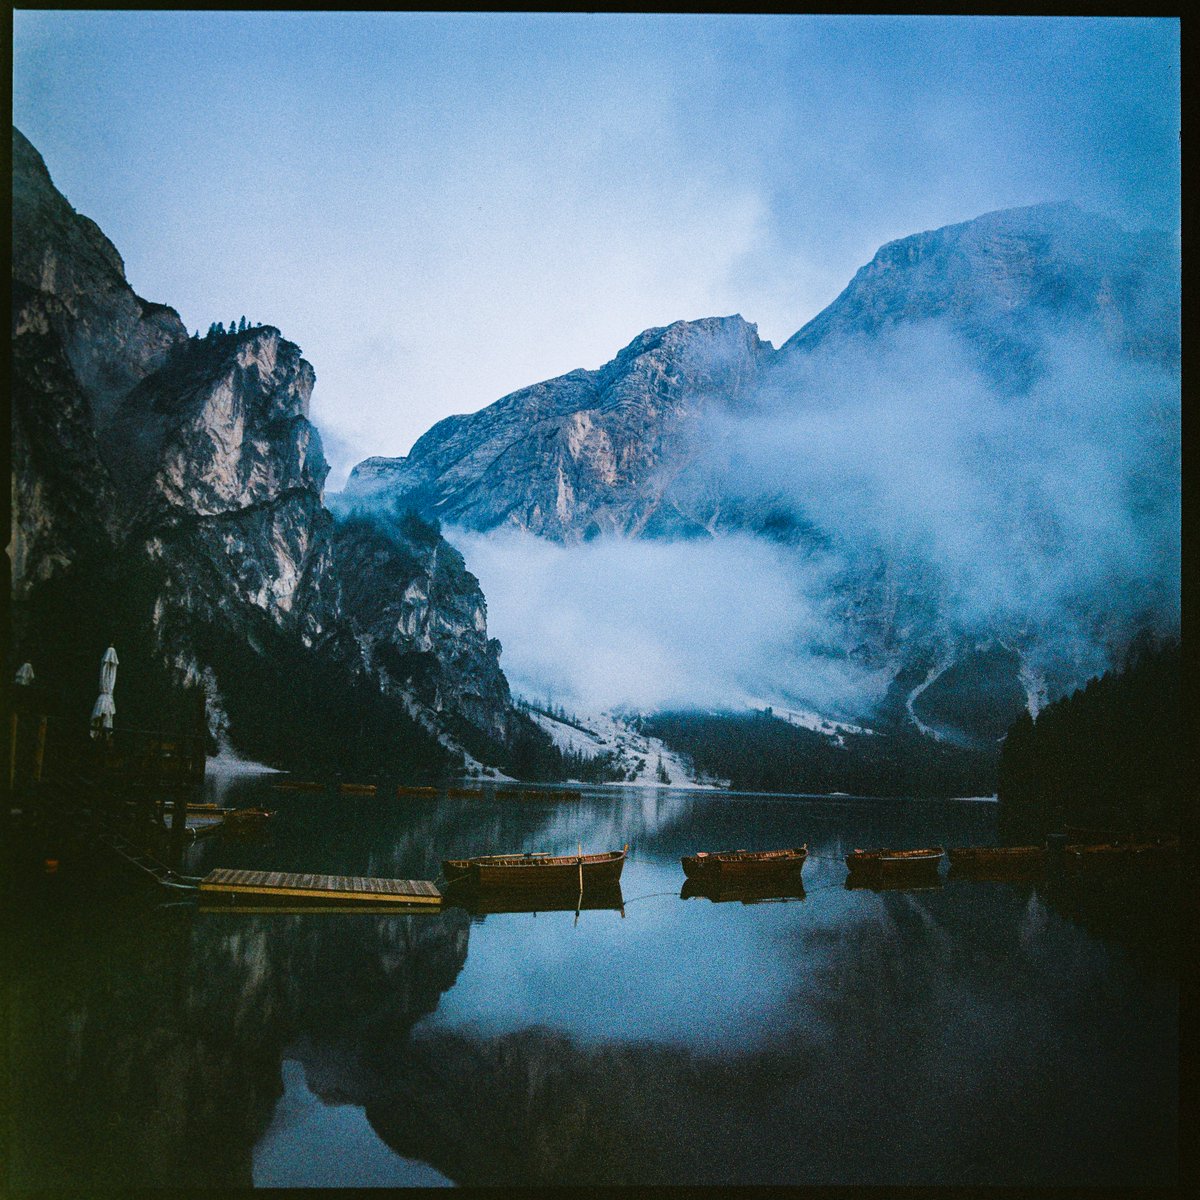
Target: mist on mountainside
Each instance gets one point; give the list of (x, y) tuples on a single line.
[(975, 450)]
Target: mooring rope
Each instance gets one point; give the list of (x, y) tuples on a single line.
[(650, 896)]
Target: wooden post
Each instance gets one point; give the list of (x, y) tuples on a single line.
[(200, 747), (40, 752), (178, 826), (12, 754)]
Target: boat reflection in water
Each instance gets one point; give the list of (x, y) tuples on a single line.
[(926, 882), (483, 901), (760, 891)]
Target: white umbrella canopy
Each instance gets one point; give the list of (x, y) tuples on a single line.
[(105, 709)]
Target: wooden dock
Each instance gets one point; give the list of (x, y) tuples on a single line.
[(319, 888)]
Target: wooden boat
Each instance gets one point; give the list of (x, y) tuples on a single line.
[(246, 820), (357, 789), (531, 871), (542, 794), (407, 790), (297, 785), (203, 824), (1079, 859), (1001, 862), (744, 864), (888, 864), (460, 793), (778, 889)]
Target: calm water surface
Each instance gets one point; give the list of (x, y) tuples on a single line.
[(972, 1033)]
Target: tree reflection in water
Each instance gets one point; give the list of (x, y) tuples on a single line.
[(978, 1033), (151, 1056)]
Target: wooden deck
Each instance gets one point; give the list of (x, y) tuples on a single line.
[(320, 887)]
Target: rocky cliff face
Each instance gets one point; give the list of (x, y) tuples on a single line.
[(588, 453), (421, 619), (81, 340), (169, 489)]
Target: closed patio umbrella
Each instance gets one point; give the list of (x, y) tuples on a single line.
[(105, 709)]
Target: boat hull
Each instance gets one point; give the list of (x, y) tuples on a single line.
[(745, 865), (534, 873), (889, 865), (1081, 859)]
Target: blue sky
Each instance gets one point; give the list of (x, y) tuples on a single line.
[(441, 208)]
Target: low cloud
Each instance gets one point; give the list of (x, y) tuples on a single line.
[(1047, 513), (653, 625), (1029, 505)]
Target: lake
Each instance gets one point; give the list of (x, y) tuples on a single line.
[(966, 1034)]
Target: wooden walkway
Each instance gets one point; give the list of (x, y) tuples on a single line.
[(320, 887)]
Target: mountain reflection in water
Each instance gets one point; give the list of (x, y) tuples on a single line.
[(979, 1033), (308, 1145)]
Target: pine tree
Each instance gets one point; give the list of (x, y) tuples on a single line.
[(242, 325)]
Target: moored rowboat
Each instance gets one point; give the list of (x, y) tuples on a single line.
[(246, 820), (532, 871), (886, 863), (1077, 859), (744, 864)]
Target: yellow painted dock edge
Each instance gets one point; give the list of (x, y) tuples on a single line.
[(321, 894), (284, 910)]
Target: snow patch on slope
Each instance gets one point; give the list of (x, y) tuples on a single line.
[(639, 755), (808, 719)]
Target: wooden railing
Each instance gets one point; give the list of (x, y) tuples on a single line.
[(41, 746)]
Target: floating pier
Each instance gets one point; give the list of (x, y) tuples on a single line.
[(319, 888)]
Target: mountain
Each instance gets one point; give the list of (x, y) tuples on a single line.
[(1006, 280), (977, 440), (588, 453), (613, 450), (168, 497)]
